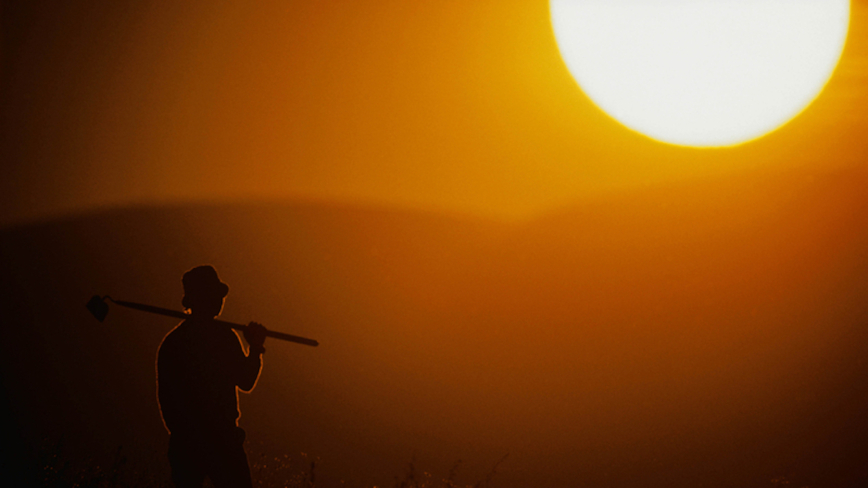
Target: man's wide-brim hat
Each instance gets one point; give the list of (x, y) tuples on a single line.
[(203, 281)]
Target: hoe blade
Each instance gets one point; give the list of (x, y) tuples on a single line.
[(98, 307)]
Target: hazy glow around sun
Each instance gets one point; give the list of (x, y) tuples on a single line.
[(701, 72)]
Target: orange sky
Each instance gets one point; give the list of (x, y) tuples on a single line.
[(455, 105), (707, 300)]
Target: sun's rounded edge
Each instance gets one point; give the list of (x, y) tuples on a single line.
[(837, 62), (844, 37)]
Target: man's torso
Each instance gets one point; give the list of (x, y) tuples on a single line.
[(197, 372)]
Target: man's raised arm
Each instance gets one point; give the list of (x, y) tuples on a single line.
[(251, 365)]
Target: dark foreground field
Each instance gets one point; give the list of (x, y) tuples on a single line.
[(692, 336)]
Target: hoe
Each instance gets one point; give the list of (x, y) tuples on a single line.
[(99, 308)]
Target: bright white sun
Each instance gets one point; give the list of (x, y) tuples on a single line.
[(701, 72)]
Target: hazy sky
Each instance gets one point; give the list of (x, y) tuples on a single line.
[(713, 315), (455, 105)]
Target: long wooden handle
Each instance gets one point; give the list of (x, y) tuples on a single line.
[(181, 315)]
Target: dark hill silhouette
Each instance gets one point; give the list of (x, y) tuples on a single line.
[(703, 334)]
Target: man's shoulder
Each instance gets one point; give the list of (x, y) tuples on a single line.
[(175, 337)]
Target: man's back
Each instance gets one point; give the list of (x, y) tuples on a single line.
[(199, 365)]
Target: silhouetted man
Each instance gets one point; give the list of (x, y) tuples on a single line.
[(200, 367)]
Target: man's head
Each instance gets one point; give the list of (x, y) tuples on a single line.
[(203, 291)]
